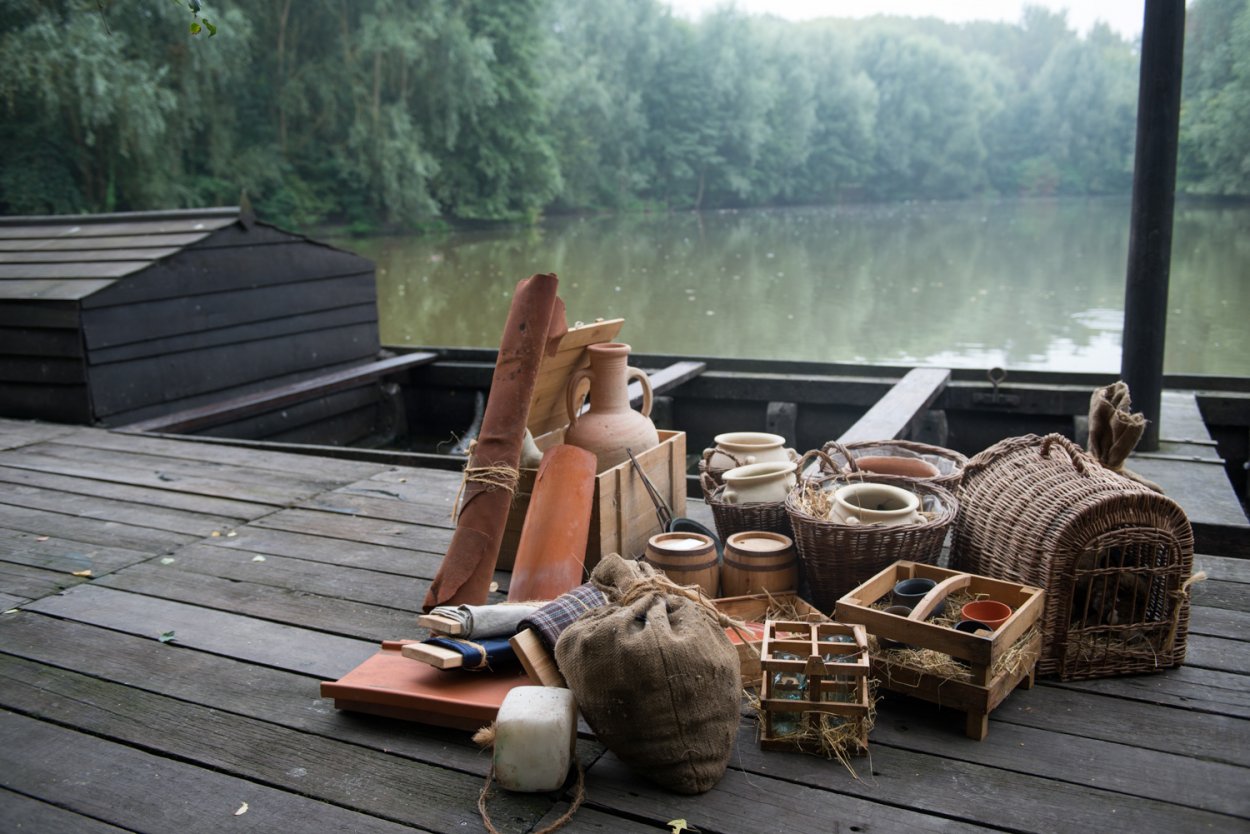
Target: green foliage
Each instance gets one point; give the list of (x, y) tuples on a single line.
[(398, 114)]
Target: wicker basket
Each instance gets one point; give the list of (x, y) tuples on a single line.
[(949, 463), (739, 518), (838, 557), (1114, 556)]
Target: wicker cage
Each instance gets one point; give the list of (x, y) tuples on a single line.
[(949, 463), (837, 557), (1114, 556), (739, 518)]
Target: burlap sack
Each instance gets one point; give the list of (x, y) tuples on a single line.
[(655, 676)]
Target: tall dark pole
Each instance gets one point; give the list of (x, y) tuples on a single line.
[(1150, 233)]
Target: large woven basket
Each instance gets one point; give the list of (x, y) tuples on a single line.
[(838, 557), (949, 463), (1114, 556), (738, 518)]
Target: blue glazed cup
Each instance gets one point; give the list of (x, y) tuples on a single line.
[(910, 591), (972, 627)]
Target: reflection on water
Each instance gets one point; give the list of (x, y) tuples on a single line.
[(1022, 284)]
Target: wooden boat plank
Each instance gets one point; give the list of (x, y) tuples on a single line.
[(368, 506), (1187, 687), (65, 555), (301, 466), (138, 790), (383, 558), (1216, 593), (41, 341), (1223, 568), (21, 813), (207, 478), (891, 415), (15, 433), (1117, 768), (403, 592), (111, 510), (1221, 622), (8, 602), (102, 242), (94, 226), (325, 656), (1208, 652), (70, 486), (31, 583), (354, 528), (268, 400), (91, 531)]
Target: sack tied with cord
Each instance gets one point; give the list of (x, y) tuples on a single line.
[(655, 676)]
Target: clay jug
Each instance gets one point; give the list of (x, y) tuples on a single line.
[(610, 426)]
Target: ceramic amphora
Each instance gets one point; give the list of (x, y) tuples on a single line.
[(610, 427)]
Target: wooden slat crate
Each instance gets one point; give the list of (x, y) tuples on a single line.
[(996, 664), (754, 610), (813, 674)]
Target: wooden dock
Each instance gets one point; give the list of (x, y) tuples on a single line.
[(170, 608)]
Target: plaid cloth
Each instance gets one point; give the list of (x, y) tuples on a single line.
[(559, 614)]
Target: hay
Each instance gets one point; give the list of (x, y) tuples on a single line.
[(834, 737)]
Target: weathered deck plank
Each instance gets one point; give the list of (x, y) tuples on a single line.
[(228, 712)]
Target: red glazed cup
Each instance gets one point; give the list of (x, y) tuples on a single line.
[(989, 611)]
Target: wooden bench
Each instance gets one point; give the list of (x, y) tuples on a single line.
[(194, 419), (892, 415)]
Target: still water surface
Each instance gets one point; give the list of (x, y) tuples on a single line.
[(1033, 284)]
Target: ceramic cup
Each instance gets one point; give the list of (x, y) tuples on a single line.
[(989, 611), (909, 592), (759, 482), (869, 503), (972, 626)]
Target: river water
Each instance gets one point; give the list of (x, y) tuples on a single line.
[(1023, 284)]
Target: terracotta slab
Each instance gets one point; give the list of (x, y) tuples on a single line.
[(394, 686)]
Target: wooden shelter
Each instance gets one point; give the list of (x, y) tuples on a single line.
[(116, 318)]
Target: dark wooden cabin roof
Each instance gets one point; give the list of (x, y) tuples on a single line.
[(69, 257)]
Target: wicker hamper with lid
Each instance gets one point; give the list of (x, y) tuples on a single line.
[(1114, 557)]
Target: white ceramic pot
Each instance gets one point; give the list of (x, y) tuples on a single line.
[(768, 482), (868, 503), (739, 448)]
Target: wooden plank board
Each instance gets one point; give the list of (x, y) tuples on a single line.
[(40, 313), (232, 268), (51, 289), (21, 813), (209, 310), (356, 529), (64, 555), (321, 470), (1187, 687), (44, 370), (165, 380), (101, 242), (434, 514), (109, 510), (104, 225), (259, 596), (16, 433), (324, 656), (33, 583), (40, 341), (189, 340), (547, 405), (85, 256), (890, 416), (92, 531), (250, 404), (58, 403), (1216, 567), (384, 558), (222, 480), (100, 269), (64, 485), (120, 785)]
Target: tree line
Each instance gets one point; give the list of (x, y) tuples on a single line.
[(400, 114)]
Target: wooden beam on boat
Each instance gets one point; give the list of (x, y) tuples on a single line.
[(666, 379), (251, 404), (894, 413), (1154, 194)]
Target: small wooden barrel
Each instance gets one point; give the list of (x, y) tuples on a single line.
[(686, 558), (757, 561)]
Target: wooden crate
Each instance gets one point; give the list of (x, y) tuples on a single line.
[(808, 677), (987, 687), (623, 516), (754, 610)]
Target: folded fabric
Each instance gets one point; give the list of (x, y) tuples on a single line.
[(554, 617), (481, 621)]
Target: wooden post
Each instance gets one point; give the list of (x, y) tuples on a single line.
[(1150, 234)]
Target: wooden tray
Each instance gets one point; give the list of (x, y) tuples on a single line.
[(986, 690)]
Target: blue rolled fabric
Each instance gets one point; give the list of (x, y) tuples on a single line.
[(479, 655)]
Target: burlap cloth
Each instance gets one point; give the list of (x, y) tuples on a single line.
[(1114, 430)]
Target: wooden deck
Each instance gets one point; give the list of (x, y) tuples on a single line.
[(178, 682)]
